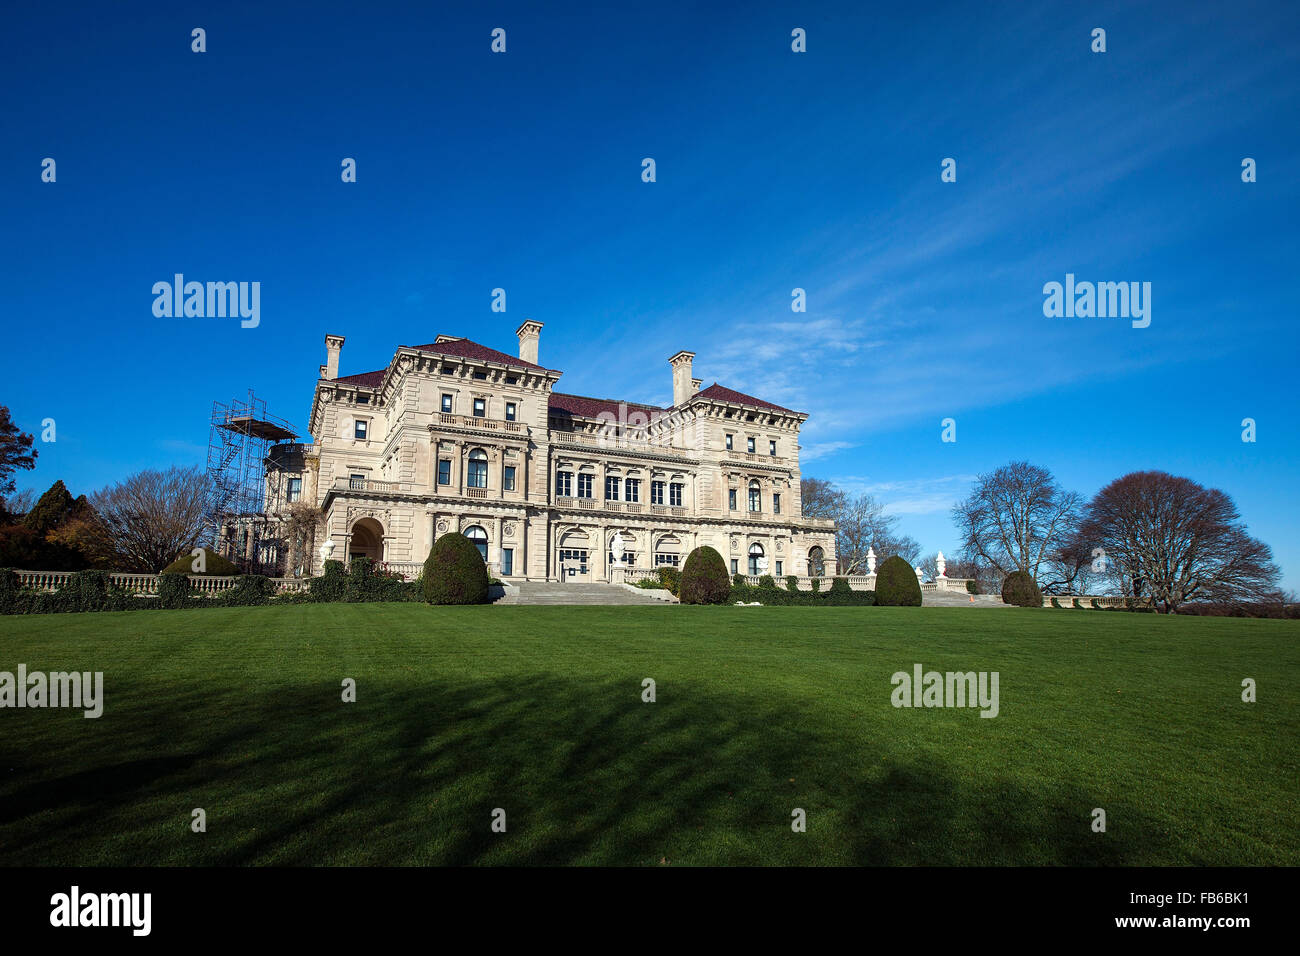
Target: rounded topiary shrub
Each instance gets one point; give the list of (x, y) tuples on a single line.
[(896, 584), (214, 565), (972, 586), (1019, 588), (455, 573), (704, 578), (173, 590)]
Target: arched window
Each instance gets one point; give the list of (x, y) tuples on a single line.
[(476, 476), (755, 497), (479, 537), (816, 562), (756, 563)]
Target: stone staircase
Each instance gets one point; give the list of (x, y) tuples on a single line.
[(958, 599), (584, 593)]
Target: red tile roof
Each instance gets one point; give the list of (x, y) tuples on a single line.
[(721, 394), (464, 348), (585, 407), (370, 379)]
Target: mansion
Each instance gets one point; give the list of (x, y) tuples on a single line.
[(456, 436)]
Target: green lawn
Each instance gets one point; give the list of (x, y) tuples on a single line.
[(760, 710)]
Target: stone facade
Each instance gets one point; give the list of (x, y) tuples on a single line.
[(455, 436)]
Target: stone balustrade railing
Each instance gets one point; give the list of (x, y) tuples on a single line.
[(145, 585)]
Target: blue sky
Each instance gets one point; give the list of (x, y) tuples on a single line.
[(775, 170)]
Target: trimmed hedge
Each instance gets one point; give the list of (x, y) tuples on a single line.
[(215, 565), (896, 584), (704, 578), (454, 572), (780, 597), (791, 582), (1020, 589)]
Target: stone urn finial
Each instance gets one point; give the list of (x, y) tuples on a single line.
[(326, 549), (871, 560), (942, 565)]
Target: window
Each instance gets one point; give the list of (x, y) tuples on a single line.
[(675, 494), (444, 471), (359, 430), (508, 561), (295, 489), (729, 442), (357, 482), (578, 555), (510, 413), (664, 558), (611, 488), (479, 537), (632, 489), (771, 447), (481, 376), (776, 504), (446, 404), (749, 445), (779, 571), (757, 563), (731, 498), (509, 478), (480, 407), (563, 484), (735, 566), (512, 379), (755, 497), (656, 492), (476, 477), (585, 482), (363, 399)]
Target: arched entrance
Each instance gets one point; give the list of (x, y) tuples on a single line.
[(816, 561), (367, 540)]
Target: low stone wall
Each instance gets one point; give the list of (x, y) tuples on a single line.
[(1084, 601), (147, 584)]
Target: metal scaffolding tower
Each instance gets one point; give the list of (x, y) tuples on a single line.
[(240, 435)]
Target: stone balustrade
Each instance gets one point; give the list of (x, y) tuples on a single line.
[(146, 585)]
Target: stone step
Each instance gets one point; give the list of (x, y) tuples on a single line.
[(545, 592)]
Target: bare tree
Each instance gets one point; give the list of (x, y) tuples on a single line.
[(300, 527), (1173, 541), (1015, 517), (820, 499), (153, 517), (18, 504)]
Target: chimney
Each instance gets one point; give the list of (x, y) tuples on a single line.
[(695, 385), (528, 335), (682, 381), (333, 345)]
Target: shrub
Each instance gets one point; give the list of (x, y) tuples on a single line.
[(704, 578), (249, 590), (738, 580), (332, 585), (670, 578), (454, 572), (840, 585), (173, 589), (766, 581), (748, 594), (896, 584), (816, 584), (214, 565), (1018, 588), (1054, 602), (8, 590), (972, 586), (791, 582)]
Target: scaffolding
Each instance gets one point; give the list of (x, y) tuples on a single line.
[(239, 440)]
